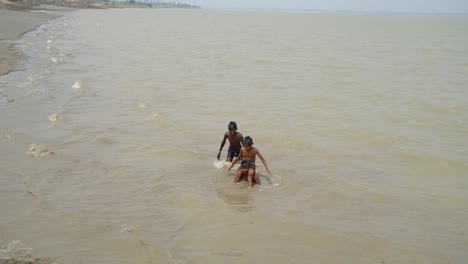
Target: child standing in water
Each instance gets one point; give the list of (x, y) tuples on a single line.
[(235, 142)]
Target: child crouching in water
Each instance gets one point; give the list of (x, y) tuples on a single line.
[(244, 172), (248, 153)]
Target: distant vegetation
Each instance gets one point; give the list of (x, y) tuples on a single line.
[(94, 3), (151, 3)]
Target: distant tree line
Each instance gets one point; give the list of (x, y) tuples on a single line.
[(87, 3), (153, 3)]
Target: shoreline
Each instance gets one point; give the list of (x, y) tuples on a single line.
[(16, 23), (17, 20)]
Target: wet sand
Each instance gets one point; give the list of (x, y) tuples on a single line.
[(13, 24)]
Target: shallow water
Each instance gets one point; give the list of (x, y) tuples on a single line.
[(361, 118)]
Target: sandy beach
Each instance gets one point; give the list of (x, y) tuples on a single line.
[(13, 24)]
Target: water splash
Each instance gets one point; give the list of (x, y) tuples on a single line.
[(221, 163)]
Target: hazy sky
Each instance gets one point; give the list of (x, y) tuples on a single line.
[(444, 6)]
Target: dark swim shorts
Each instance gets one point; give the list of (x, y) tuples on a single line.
[(232, 153), (252, 166)]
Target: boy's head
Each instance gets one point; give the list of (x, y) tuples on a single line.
[(245, 164), (248, 141), (232, 126)]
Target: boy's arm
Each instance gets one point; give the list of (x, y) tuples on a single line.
[(235, 160), (264, 162), (222, 146)]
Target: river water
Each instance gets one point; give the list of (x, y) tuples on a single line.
[(361, 118)]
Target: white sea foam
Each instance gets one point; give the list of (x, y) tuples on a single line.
[(27, 83), (130, 229), (39, 151), (77, 85), (54, 117), (15, 249)]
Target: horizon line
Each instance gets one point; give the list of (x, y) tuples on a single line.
[(313, 10)]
